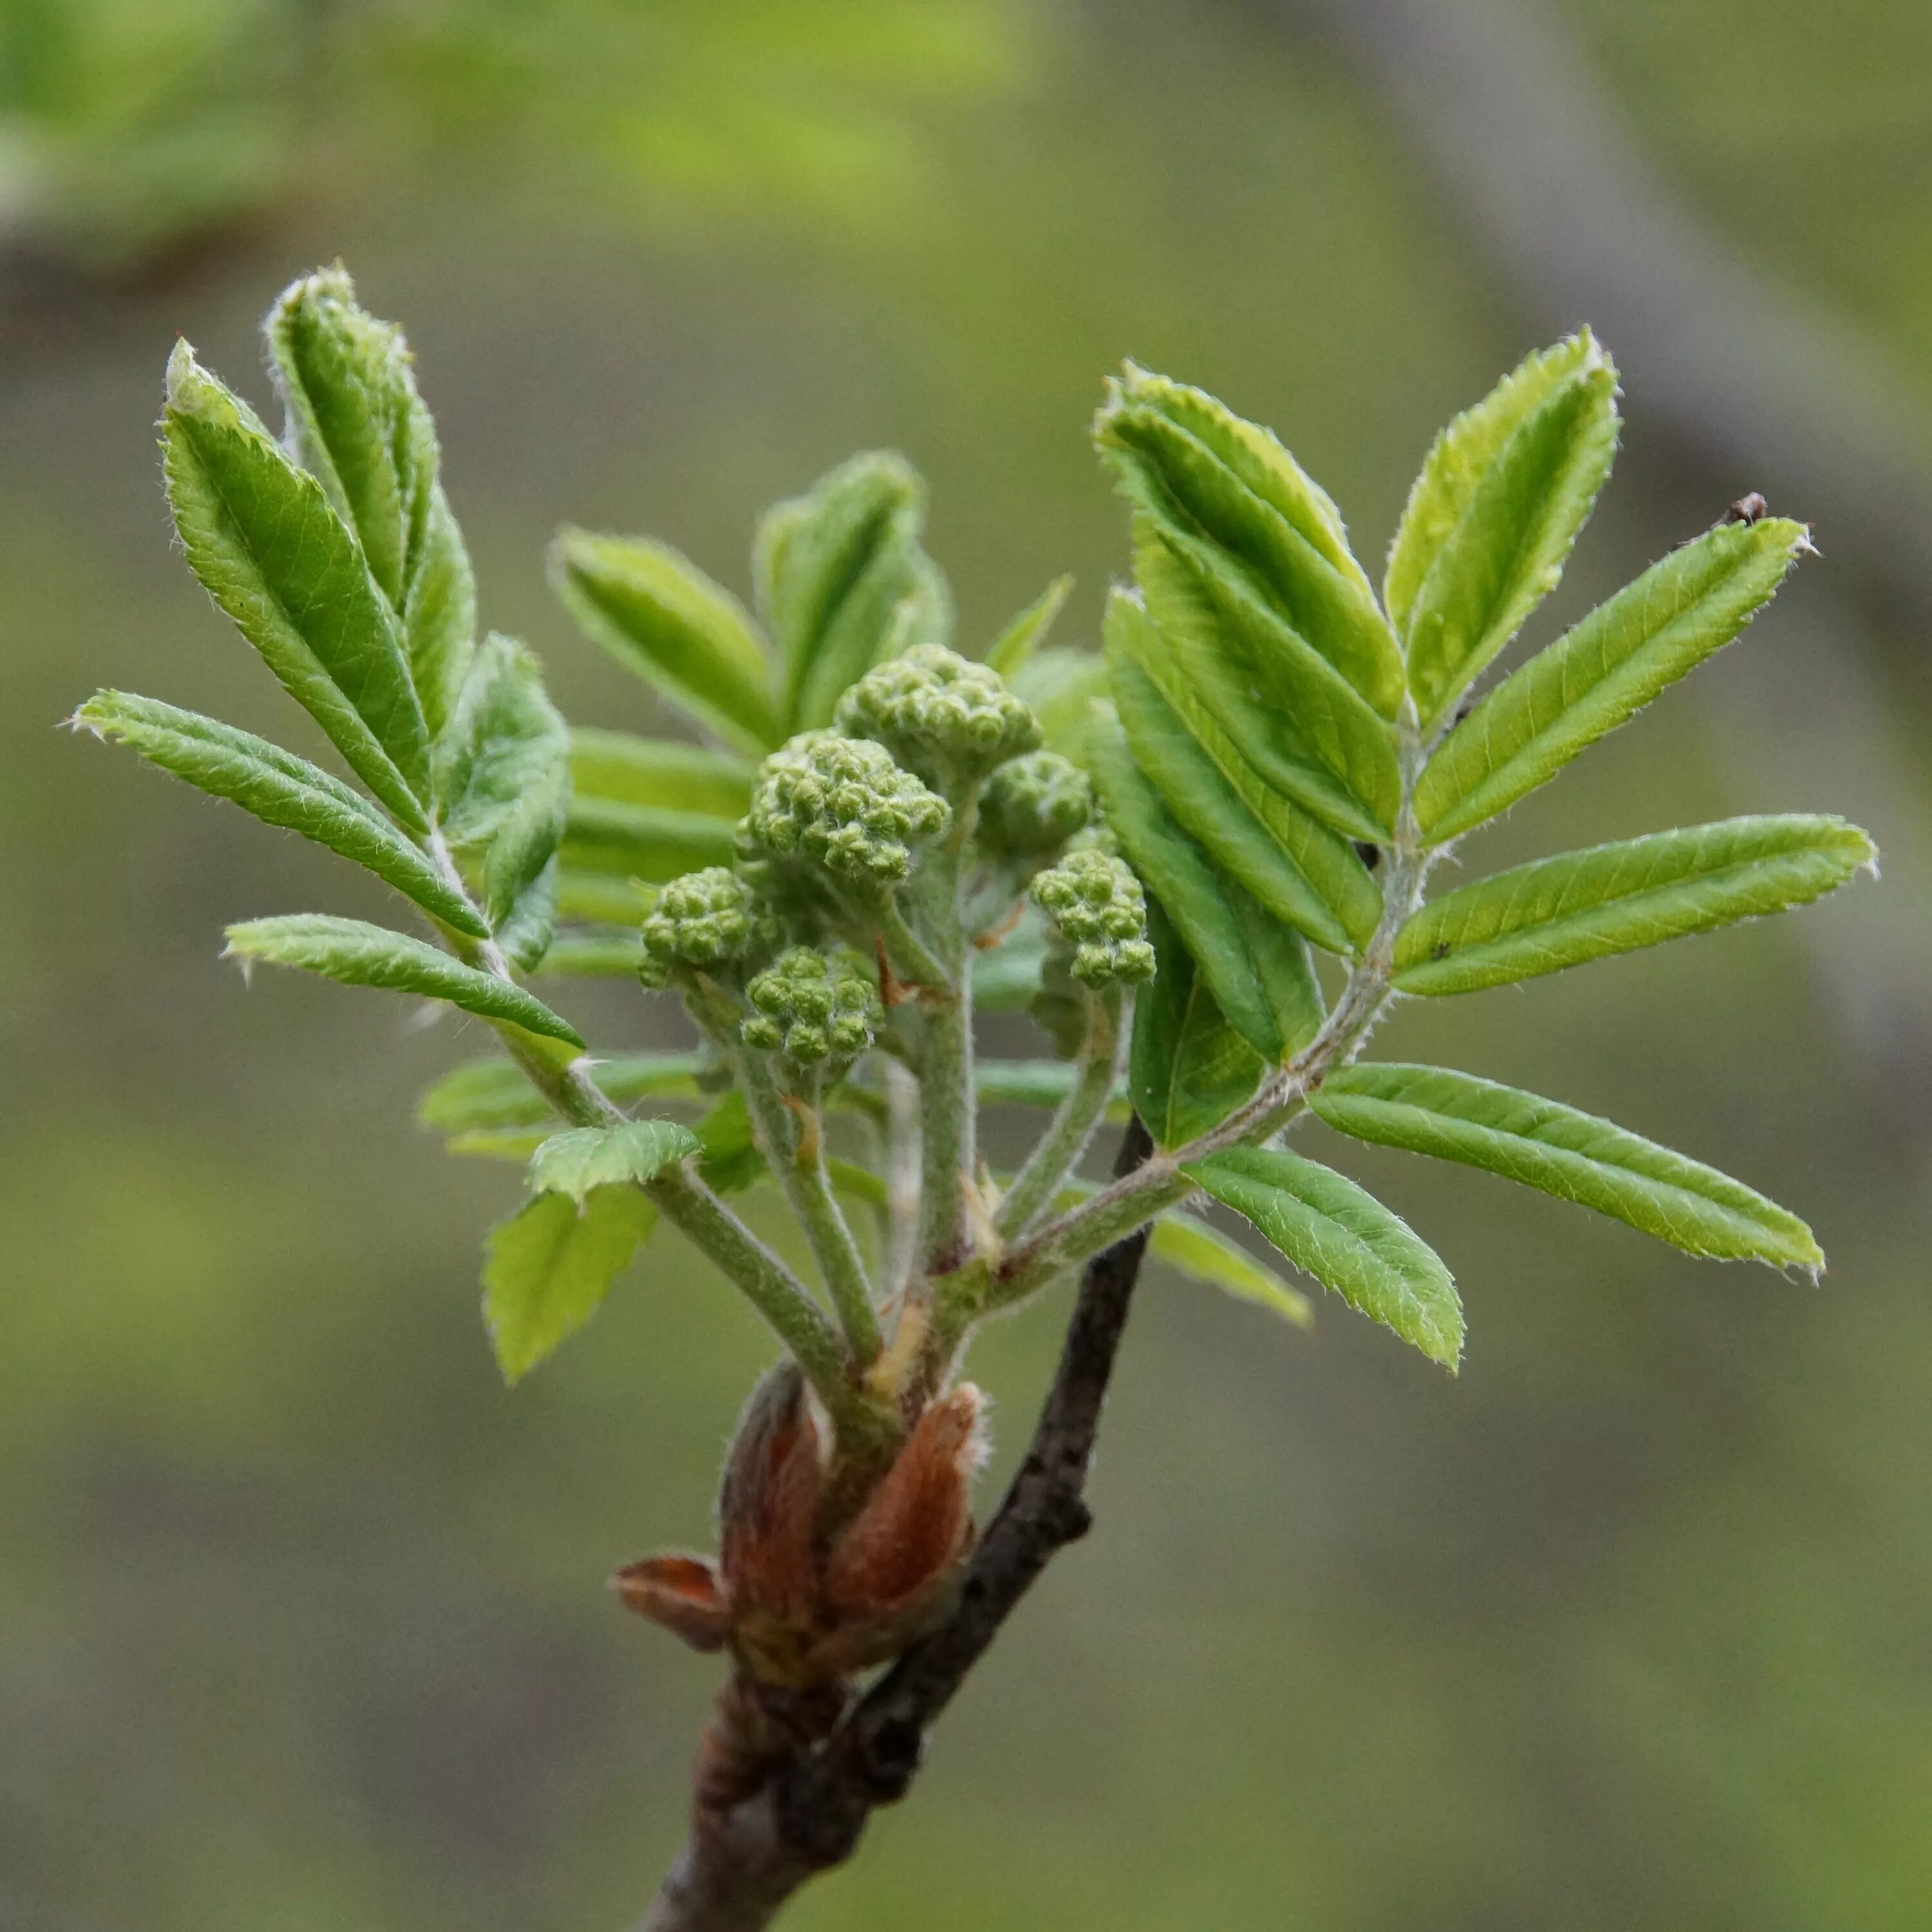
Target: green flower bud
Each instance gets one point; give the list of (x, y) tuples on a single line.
[(1096, 903), (1034, 804), (942, 715), (813, 1008), (842, 803), (704, 918)]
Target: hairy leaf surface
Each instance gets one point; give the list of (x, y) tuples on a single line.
[(1494, 513), (280, 789), (660, 616), (580, 1159), (1561, 912), (1601, 674), (1345, 1239), (269, 548), (358, 954), (1574, 1156)]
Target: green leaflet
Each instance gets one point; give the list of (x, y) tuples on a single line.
[(731, 1161), (1561, 912), (1060, 688), (357, 423), (1344, 1238), (494, 1092), (660, 616), (1574, 1156), (1194, 467), (581, 1159), (624, 769), (1205, 1254), (1007, 979), (268, 547), (644, 842), (1296, 867), (616, 953), (1292, 715), (1257, 968), (1492, 516), (502, 772), (1016, 644), (280, 789), (606, 898), (1029, 1083), (1188, 1069), (358, 954), (1601, 674), (550, 1266), (833, 569)]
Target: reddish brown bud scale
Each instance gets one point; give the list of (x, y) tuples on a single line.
[(682, 1594)]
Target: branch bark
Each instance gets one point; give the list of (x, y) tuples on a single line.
[(781, 1797)]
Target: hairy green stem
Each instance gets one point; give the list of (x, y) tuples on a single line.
[(1058, 1153)]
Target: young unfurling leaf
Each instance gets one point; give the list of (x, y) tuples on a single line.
[(1015, 646), (1574, 1156), (269, 547), (1493, 515), (582, 1158), (1560, 912)]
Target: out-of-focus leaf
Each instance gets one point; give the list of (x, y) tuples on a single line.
[(503, 773), (731, 1161), (357, 422), (582, 1158), (1195, 468), (1574, 1156), (644, 842), (1297, 868), (1345, 1239), (1293, 716), (1247, 962), (624, 769), (1061, 688), (834, 568), (493, 1092), (1601, 674), (1579, 906), (1016, 644), (1188, 1069), (603, 898), (550, 1266), (270, 549), (1492, 516), (1007, 979), (593, 955), (1031, 1083), (659, 616), (280, 789), (1205, 1254), (358, 954)]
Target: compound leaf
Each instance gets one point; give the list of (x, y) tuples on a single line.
[(660, 616), (1345, 1239), (280, 789), (269, 547), (550, 1266), (1599, 675), (357, 954), (1574, 1156), (1493, 515), (1561, 912)]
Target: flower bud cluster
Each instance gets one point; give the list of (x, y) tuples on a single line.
[(813, 1008), (1096, 903), (1034, 804), (943, 716), (842, 803), (707, 918)]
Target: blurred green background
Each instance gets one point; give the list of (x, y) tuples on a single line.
[(301, 1620)]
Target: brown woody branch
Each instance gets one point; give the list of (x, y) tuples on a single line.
[(788, 1798)]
